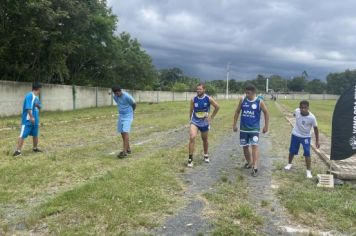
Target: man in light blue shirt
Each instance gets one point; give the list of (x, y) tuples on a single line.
[(30, 119), (126, 105)]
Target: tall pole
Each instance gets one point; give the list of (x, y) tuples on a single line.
[(227, 80), (267, 85)]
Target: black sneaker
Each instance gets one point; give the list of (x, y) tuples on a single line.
[(36, 150), (122, 155), (16, 154), (128, 151), (254, 172), (247, 166)]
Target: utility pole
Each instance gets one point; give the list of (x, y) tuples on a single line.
[(267, 85), (227, 80)]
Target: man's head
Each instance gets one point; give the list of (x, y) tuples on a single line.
[(304, 107), (116, 89), (36, 88), (200, 89), (250, 91)]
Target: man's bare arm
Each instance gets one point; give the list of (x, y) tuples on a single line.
[(236, 115), (216, 108), (266, 115)]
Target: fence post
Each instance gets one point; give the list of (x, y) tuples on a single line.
[(112, 98), (186, 96), (74, 96), (157, 96), (96, 96), (173, 96)]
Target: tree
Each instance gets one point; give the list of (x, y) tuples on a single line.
[(179, 87), (297, 84), (316, 86)]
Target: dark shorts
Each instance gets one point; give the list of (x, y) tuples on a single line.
[(29, 130), (249, 138), (202, 128), (295, 144)]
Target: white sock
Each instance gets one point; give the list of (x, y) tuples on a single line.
[(309, 174)]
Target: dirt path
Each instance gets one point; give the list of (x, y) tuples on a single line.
[(190, 220)]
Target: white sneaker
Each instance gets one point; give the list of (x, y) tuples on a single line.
[(309, 174), (190, 164), (206, 159), (288, 167)]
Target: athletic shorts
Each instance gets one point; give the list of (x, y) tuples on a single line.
[(295, 143), (249, 138), (202, 128), (29, 130), (124, 125)]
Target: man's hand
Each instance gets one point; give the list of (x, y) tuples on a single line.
[(32, 119), (234, 128), (209, 118), (265, 129), (317, 144)]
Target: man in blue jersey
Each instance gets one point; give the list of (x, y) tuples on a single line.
[(30, 119), (250, 108), (200, 120), (126, 106)]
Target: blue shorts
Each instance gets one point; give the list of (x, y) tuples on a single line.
[(202, 128), (249, 138), (124, 125), (295, 143), (29, 130)]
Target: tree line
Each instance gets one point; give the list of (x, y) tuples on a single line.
[(75, 42)]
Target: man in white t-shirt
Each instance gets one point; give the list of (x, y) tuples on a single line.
[(301, 134)]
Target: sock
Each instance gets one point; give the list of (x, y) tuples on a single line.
[(206, 155), (190, 159)]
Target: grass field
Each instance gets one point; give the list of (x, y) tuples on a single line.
[(327, 209), (77, 185), (322, 109)]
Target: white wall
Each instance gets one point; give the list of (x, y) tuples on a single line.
[(60, 97)]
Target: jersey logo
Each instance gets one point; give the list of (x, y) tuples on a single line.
[(254, 106), (196, 104)]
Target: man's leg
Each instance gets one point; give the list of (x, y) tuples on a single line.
[(247, 154), (19, 145), (125, 141), (293, 150), (35, 142), (306, 148), (255, 156), (192, 135), (308, 162), (204, 137)]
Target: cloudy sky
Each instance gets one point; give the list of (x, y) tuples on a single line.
[(255, 36)]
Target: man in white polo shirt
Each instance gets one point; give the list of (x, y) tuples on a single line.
[(301, 134)]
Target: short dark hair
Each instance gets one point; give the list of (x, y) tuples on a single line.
[(201, 84), (250, 87), (304, 102), (36, 86), (116, 88)]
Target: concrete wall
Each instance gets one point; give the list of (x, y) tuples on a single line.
[(66, 97)]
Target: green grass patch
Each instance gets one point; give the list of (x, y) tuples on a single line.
[(231, 211), (324, 209)]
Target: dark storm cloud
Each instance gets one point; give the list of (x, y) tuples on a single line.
[(266, 37)]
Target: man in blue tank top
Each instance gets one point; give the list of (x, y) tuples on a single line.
[(200, 120), (250, 108)]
